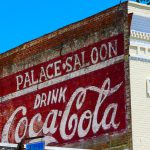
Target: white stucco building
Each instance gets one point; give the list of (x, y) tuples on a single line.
[(140, 75)]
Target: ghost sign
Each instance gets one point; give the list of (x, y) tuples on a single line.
[(72, 97)]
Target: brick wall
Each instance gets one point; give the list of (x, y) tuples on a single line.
[(69, 39)]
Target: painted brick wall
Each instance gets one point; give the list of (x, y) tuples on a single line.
[(104, 25)]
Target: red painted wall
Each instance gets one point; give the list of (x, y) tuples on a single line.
[(72, 86), (73, 97)]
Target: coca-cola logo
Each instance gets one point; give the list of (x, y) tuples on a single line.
[(71, 122), (73, 97)]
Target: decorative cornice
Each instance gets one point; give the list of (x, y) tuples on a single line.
[(138, 8), (139, 5), (140, 35)]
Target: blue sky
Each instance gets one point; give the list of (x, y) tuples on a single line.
[(25, 20)]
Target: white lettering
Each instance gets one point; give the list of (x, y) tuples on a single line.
[(47, 71), (57, 68), (103, 52), (52, 97), (112, 49), (94, 55), (68, 65), (35, 120), (19, 80), (69, 122), (77, 62), (37, 101), (27, 81), (32, 78), (42, 75), (22, 125)]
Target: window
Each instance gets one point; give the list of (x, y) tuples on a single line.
[(142, 51), (133, 50)]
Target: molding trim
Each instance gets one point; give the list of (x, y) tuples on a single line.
[(140, 35), (138, 8), (138, 5)]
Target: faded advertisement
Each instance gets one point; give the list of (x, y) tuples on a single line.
[(76, 96)]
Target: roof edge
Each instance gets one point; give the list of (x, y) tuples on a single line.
[(55, 33)]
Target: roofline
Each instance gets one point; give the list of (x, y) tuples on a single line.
[(55, 33)]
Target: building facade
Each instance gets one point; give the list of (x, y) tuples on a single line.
[(70, 86), (140, 75), (73, 86)]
